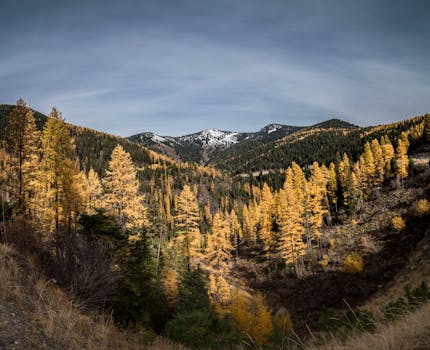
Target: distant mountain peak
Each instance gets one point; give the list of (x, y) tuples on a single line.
[(206, 145), (335, 123), (271, 128), (212, 137)]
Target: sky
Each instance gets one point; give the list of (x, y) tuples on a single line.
[(175, 67)]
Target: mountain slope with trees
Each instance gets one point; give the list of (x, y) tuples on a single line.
[(205, 258), (205, 146)]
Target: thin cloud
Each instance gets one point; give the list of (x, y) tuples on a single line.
[(171, 69)]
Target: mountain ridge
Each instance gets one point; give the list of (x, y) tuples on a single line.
[(206, 145)]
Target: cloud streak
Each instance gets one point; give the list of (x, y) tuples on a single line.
[(235, 65)]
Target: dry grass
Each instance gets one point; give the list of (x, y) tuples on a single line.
[(46, 318), (409, 332), (8, 272)]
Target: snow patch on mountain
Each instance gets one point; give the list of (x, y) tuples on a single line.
[(157, 138), (273, 128), (213, 137)]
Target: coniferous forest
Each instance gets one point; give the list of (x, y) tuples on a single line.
[(174, 253)]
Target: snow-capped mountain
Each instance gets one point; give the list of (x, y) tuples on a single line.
[(213, 137), (146, 137), (205, 145)]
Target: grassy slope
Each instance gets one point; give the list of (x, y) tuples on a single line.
[(410, 332), (35, 314)]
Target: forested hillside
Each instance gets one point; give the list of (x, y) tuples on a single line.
[(324, 143), (206, 146), (206, 258)]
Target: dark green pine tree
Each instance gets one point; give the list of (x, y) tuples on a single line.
[(193, 293), (139, 300), (195, 323)]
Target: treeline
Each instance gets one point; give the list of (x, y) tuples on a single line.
[(156, 240), (324, 145)]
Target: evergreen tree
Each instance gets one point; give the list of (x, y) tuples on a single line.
[(236, 231), (193, 292), (139, 300), (195, 323), (158, 224), (332, 187)]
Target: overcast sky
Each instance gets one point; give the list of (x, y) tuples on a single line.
[(176, 67)]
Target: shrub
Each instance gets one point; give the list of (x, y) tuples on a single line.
[(353, 263), (423, 207), (348, 321), (412, 299), (398, 223), (324, 262), (252, 318), (284, 323), (202, 329), (85, 269)]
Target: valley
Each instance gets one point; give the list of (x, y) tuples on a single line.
[(305, 227)]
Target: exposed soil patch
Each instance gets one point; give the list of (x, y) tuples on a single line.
[(308, 298)]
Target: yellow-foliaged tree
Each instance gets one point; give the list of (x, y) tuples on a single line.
[(266, 218), (58, 198), (402, 156), (22, 143), (387, 153), (290, 222), (188, 234), (121, 187), (316, 206), (379, 163)]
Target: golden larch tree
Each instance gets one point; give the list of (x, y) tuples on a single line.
[(188, 235), (252, 317), (22, 141), (402, 155), (387, 153), (58, 198), (219, 247), (93, 190), (315, 208), (290, 221), (248, 224), (344, 170), (379, 163), (121, 188), (368, 165), (266, 218)]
